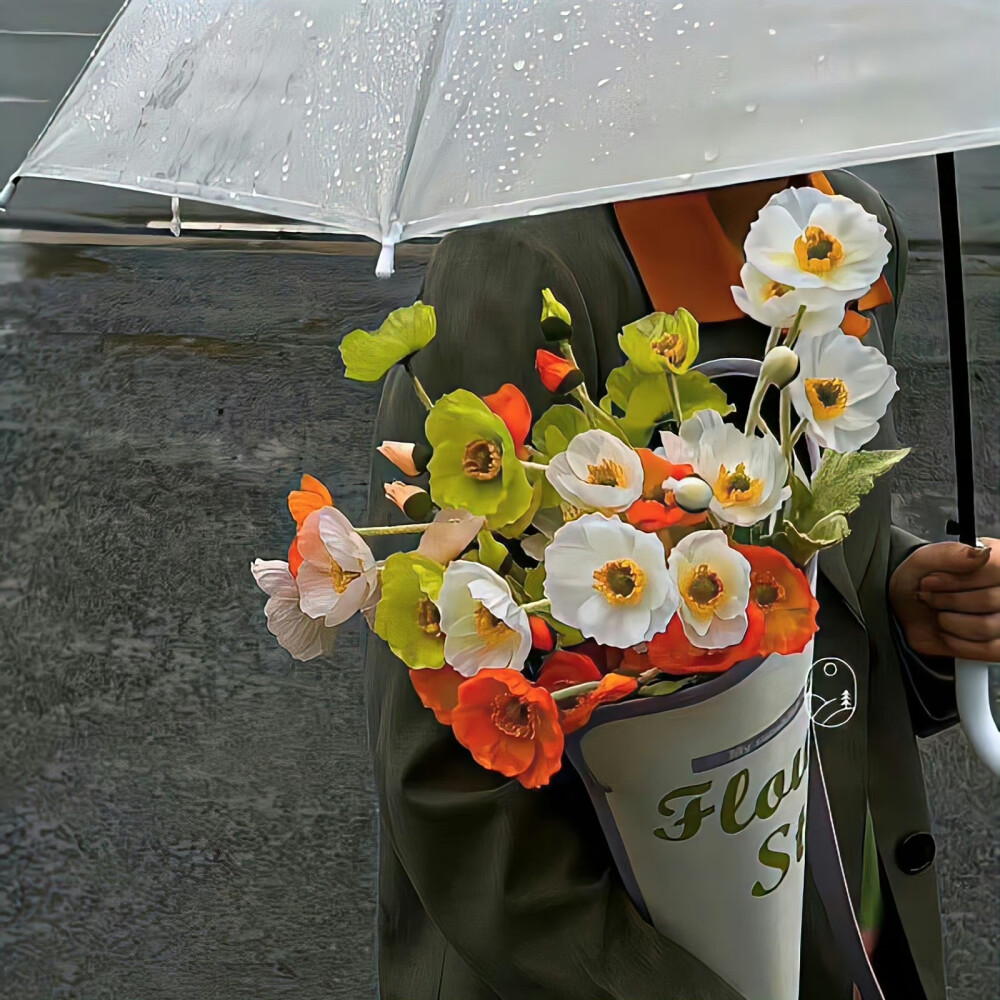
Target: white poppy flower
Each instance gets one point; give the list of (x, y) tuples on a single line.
[(609, 580), (597, 472), (775, 304), (807, 239), (304, 637), (714, 585), (338, 576), (482, 623), (747, 474), (843, 389), (675, 449)]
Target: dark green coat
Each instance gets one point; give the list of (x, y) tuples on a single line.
[(488, 890)]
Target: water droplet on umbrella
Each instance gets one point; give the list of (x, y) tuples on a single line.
[(519, 64), (752, 106), (711, 154)]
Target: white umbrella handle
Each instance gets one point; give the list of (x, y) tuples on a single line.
[(972, 691)]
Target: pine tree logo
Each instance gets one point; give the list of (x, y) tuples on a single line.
[(833, 692)]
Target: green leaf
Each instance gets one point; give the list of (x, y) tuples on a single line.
[(368, 356), (644, 399), (556, 427), (817, 518), (659, 688), (491, 552)]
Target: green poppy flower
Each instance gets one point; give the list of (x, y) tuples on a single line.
[(661, 342), (474, 465), (368, 356), (406, 616)]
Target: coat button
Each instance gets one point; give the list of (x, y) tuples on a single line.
[(915, 852)]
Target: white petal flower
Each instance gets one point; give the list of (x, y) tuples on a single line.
[(747, 474), (338, 576), (775, 304), (807, 239), (304, 637), (597, 472), (843, 389), (675, 449), (482, 623), (714, 585), (609, 580)]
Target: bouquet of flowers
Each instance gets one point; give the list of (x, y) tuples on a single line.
[(627, 549)]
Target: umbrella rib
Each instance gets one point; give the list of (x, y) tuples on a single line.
[(420, 106)]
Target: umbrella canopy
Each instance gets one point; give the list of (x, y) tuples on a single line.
[(405, 118)]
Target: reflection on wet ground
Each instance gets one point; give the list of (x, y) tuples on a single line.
[(185, 812)]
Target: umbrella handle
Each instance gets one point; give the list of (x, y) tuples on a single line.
[(972, 691)]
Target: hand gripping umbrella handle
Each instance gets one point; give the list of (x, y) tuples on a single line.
[(972, 691)]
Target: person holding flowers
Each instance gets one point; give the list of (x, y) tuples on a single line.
[(597, 520)]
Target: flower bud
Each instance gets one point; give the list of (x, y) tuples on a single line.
[(693, 495), (409, 458), (542, 636), (556, 321), (557, 374), (780, 366), (414, 502)]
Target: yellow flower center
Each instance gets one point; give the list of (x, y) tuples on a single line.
[(671, 346), (827, 397), (489, 628), (703, 589), (775, 290), (341, 577), (606, 473), (817, 251), (512, 717), (483, 460), (569, 512), (737, 487), (428, 617), (620, 582)]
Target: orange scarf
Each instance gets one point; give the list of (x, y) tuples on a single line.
[(685, 259)]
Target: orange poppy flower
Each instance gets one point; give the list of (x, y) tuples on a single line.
[(509, 725), (613, 687), (438, 690), (557, 374), (671, 652), (513, 408), (563, 669), (311, 495), (541, 634), (781, 591), (656, 509)]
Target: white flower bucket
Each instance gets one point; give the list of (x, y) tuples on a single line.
[(702, 796)]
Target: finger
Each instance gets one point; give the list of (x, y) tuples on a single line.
[(973, 602), (985, 576), (949, 557), (977, 628), (988, 652)]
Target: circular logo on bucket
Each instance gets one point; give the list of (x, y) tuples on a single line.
[(834, 693)]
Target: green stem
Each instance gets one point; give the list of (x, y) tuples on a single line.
[(417, 387), (753, 413), (393, 529), (793, 333), (533, 606), (772, 339), (786, 427), (575, 691), (800, 429), (675, 397), (534, 465)]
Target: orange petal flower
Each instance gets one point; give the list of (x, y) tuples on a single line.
[(613, 687), (557, 374), (438, 690), (671, 652), (294, 557), (509, 725), (781, 591), (563, 669), (541, 634), (311, 495), (513, 408), (657, 510)]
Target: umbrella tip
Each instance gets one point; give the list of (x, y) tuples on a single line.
[(386, 259), (7, 193)]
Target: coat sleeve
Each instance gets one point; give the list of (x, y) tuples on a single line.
[(519, 882)]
